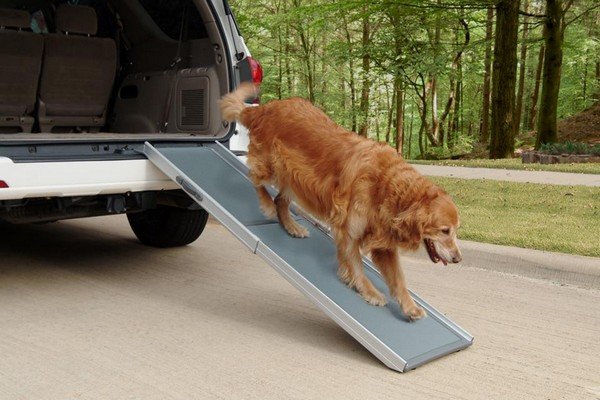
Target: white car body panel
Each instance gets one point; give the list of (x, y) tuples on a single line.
[(241, 140), (79, 178)]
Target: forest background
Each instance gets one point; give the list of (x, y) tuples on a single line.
[(432, 78)]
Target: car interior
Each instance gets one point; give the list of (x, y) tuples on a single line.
[(111, 67)]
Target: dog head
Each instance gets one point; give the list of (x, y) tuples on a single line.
[(432, 220), (439, 234)]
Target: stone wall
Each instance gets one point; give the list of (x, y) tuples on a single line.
[(530, 157)]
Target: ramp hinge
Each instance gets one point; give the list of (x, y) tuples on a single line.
[(188, 188)]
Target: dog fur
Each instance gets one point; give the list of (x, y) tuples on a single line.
[(371, 198)]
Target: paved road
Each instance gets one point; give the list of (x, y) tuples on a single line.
[(88, 313), (543, 177)]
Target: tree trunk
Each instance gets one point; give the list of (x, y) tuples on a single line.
[(288, 69), (456, 120), (399, 90), (584, 88), (390, 119), (344, 99), (377, 111), (596, 96), (310, 84), (553, 39), (305, 44), (399, 87), (351, 82), (424, 128), (536, 90), (421, 145), (504, 79), (523, 63), (450, 104), (435, 121), (484, 135), (321, 58), (410, 133), (366, 86), (422, 92), (279, 62)]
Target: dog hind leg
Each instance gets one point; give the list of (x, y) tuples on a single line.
[(388, 263), (282, 204), (259, 175), (267, 205)]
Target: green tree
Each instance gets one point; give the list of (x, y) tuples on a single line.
[(504, 79), (412, 73)]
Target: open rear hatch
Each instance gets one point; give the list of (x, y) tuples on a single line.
[(117, 71)]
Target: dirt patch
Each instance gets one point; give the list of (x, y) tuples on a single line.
[(582, 127)]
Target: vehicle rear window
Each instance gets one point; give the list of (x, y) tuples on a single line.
[(169, 15)]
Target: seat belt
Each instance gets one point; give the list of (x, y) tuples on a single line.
[(162, 128)]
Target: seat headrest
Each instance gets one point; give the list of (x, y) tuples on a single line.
[(76, 19), (10, 18)]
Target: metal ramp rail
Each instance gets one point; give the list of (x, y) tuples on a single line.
[(217, 180)]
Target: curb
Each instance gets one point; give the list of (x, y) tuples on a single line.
[(560, 268)]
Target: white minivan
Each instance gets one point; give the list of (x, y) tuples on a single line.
[(83, 84)]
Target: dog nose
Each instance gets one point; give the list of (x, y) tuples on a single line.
[(457, 258)]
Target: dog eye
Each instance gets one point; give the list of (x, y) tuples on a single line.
[(446, 231)]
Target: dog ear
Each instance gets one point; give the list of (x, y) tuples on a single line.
[(408, 225), (433, 192)]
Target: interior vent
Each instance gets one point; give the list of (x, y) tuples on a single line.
[(192, 110)]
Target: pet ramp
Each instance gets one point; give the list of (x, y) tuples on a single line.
[(218, 181)]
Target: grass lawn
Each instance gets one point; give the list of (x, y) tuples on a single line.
[(564, 219), (515, 163)]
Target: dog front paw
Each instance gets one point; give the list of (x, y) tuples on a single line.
[(377, 300), (371, 295), (414, 312), (345, 275), (297, 231)]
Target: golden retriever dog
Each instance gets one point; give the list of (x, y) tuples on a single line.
[(371, 198)]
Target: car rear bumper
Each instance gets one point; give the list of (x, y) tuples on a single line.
[(79, 178)]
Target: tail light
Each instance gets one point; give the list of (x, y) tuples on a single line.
[(3, 185), (256, 71)]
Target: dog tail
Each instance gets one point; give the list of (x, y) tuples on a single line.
[(232, 104)]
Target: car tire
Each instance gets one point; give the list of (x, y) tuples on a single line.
[(168, 226)]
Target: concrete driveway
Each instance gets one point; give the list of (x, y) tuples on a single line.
[(511, 175), (88, 313)]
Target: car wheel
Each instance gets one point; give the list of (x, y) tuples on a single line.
[(168, 226)]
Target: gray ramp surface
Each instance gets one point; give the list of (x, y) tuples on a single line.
[(218, 181)]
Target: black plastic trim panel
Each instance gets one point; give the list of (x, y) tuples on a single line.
[(83, 151)]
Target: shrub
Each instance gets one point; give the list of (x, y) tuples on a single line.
[(569, 148), (552, 148), (581, 148), (463, 145)]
